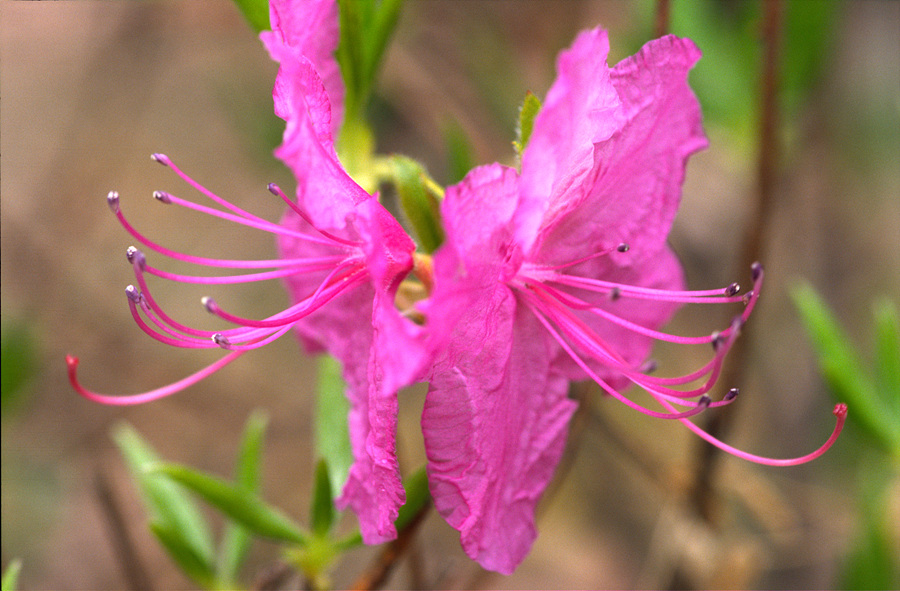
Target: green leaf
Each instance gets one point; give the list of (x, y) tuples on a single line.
[(872, 562), (460, 154), (238, 504), (322, 514), (256, 12), (843, 370), (20, 362), (420, 200), (887, 352), (527, 113), (184, 556), (11, 575), (332, 434), (236, 539), (168, 506)]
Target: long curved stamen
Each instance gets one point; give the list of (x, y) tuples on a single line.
[(597, 349), (276, 190), (700, 406), (840, 413), (313, 264), (151, 395), (254, 222), (328, 290), (112, 200)]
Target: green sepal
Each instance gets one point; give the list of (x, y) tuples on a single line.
[(236, 539), (11, 575), (529, 110), (420, 198), (169, 508), (256, 12), (184, 556), (331, 430), (322, 513), (844, 372), (240, 505)]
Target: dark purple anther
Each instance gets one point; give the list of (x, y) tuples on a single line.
[(756, 271), (704, 401), (161, 158), (221, 340), (732, 394), (732, 289), (273, 189), (615, 293), (623, 247), (717, 340)]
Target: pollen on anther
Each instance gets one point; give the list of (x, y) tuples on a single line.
[(161, 158), (130, 252), (717, 340), (704, 401), (162, 196), (623, 247), (732, 394), (133, 294), (135, 256), (221, 340), (209, 304), (112, 200), (732, 289), (747, 297), (273, 189)]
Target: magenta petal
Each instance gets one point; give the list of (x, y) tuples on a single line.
[(495, 426), (495, 418), (580, 110), (635, 185), (310, 29)]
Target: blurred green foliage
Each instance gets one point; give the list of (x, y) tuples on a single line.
[(20, 363), (873, 398)]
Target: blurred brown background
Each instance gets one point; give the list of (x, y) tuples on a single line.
[(91, 89)]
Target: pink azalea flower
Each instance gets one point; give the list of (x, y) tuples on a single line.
[(342, 258), (563, 273)]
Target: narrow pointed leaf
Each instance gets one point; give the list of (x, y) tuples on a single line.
[(378, 35), (184, 556), (887, 351), (167, 504), (236, 539), (332, 435), (322, 512), (244, 507)]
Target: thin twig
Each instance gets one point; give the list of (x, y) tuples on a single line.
[(137, 577), (378, 572), (663, 16), (767, 169)]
